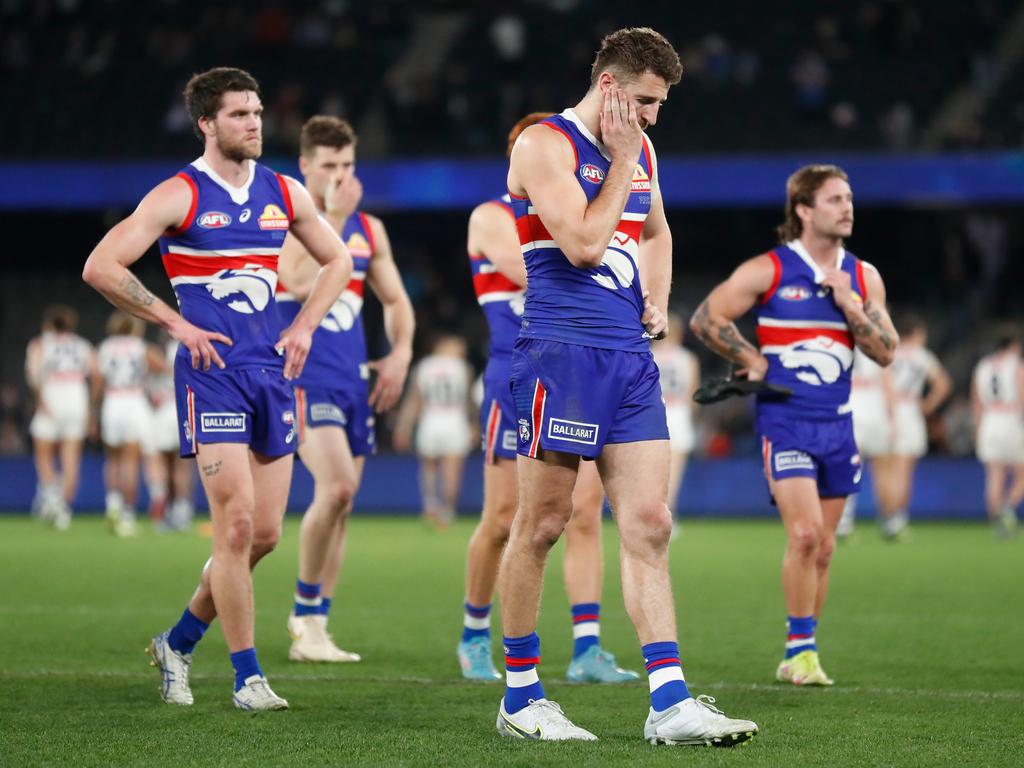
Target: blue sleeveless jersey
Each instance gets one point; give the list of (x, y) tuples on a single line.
[(805, 336), (500, 298), (337, 358), (222, 262), (599, 307)]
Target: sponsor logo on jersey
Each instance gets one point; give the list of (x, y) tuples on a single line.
[(508, 439), (572, 431), (213, 220), (794, 293), (641, 181), (327, 412), (222, 422), (244, 217), (273, 218), (786, 460), (358, 244), (591, 173), (524, 432)]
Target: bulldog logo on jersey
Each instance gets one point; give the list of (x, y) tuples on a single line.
[(820, 360), (255, 284), (620, 259), (524, 431), (272, 218)]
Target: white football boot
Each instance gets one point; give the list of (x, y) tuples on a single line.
[(256, 696), (696, 722), (173, 668), (542, 720), (310, 641)]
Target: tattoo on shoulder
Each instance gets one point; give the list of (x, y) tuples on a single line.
[(135, 291), (209, 470)]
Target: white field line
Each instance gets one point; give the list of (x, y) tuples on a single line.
[(856, 690)]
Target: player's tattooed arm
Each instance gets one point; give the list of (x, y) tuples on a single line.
[(135, 293), (714, 322), (872, 330)]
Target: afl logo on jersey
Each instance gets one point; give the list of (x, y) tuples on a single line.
[(591, 173), (273, 218), (794, 293), (213, 220)]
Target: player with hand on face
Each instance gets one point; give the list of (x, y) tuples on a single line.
[(499, 280), (221, 223), (334, 402), (815, 302), (590, 218)]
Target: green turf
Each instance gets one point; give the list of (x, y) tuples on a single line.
[(924, 639)]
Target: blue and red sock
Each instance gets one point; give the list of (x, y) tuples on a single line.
[(586, 627), (800, 635), (664, 675), (522, 685), (307, 598)]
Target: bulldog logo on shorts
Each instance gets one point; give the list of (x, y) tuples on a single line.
[(524, 431)]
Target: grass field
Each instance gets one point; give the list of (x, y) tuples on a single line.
[(924, 639)]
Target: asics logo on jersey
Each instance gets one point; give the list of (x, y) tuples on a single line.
[(620, 258), (591, 173), (255, 284), (826, 358), (213, 220), (244, 217)]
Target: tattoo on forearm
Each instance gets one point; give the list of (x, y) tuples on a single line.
[(209, 470), (865, 332), (135, 291), (727, 342)]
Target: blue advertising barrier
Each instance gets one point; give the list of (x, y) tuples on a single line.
[(459, 184), (944, 488)]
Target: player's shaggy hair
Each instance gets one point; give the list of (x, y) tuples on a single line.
[(801, 188), (631, 52), (531, 119), (204, 92), (325, 131)]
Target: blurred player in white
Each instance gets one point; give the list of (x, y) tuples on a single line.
[(334, 400), (997, 392), (914, 371), (59, 366), (167, 474), (680, 376), (125, 360), (872, 400), (439, 406)]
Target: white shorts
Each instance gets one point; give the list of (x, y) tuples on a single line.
[(872, 433), (911, 438), (680, 428), (124, 418), (67, 412), (162, 434), (1001, 438), (442, 434)]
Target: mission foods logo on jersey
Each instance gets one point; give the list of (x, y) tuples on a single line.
[(641, 181), (273, 218), (213, 220), (591, 173), (357, 244)]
